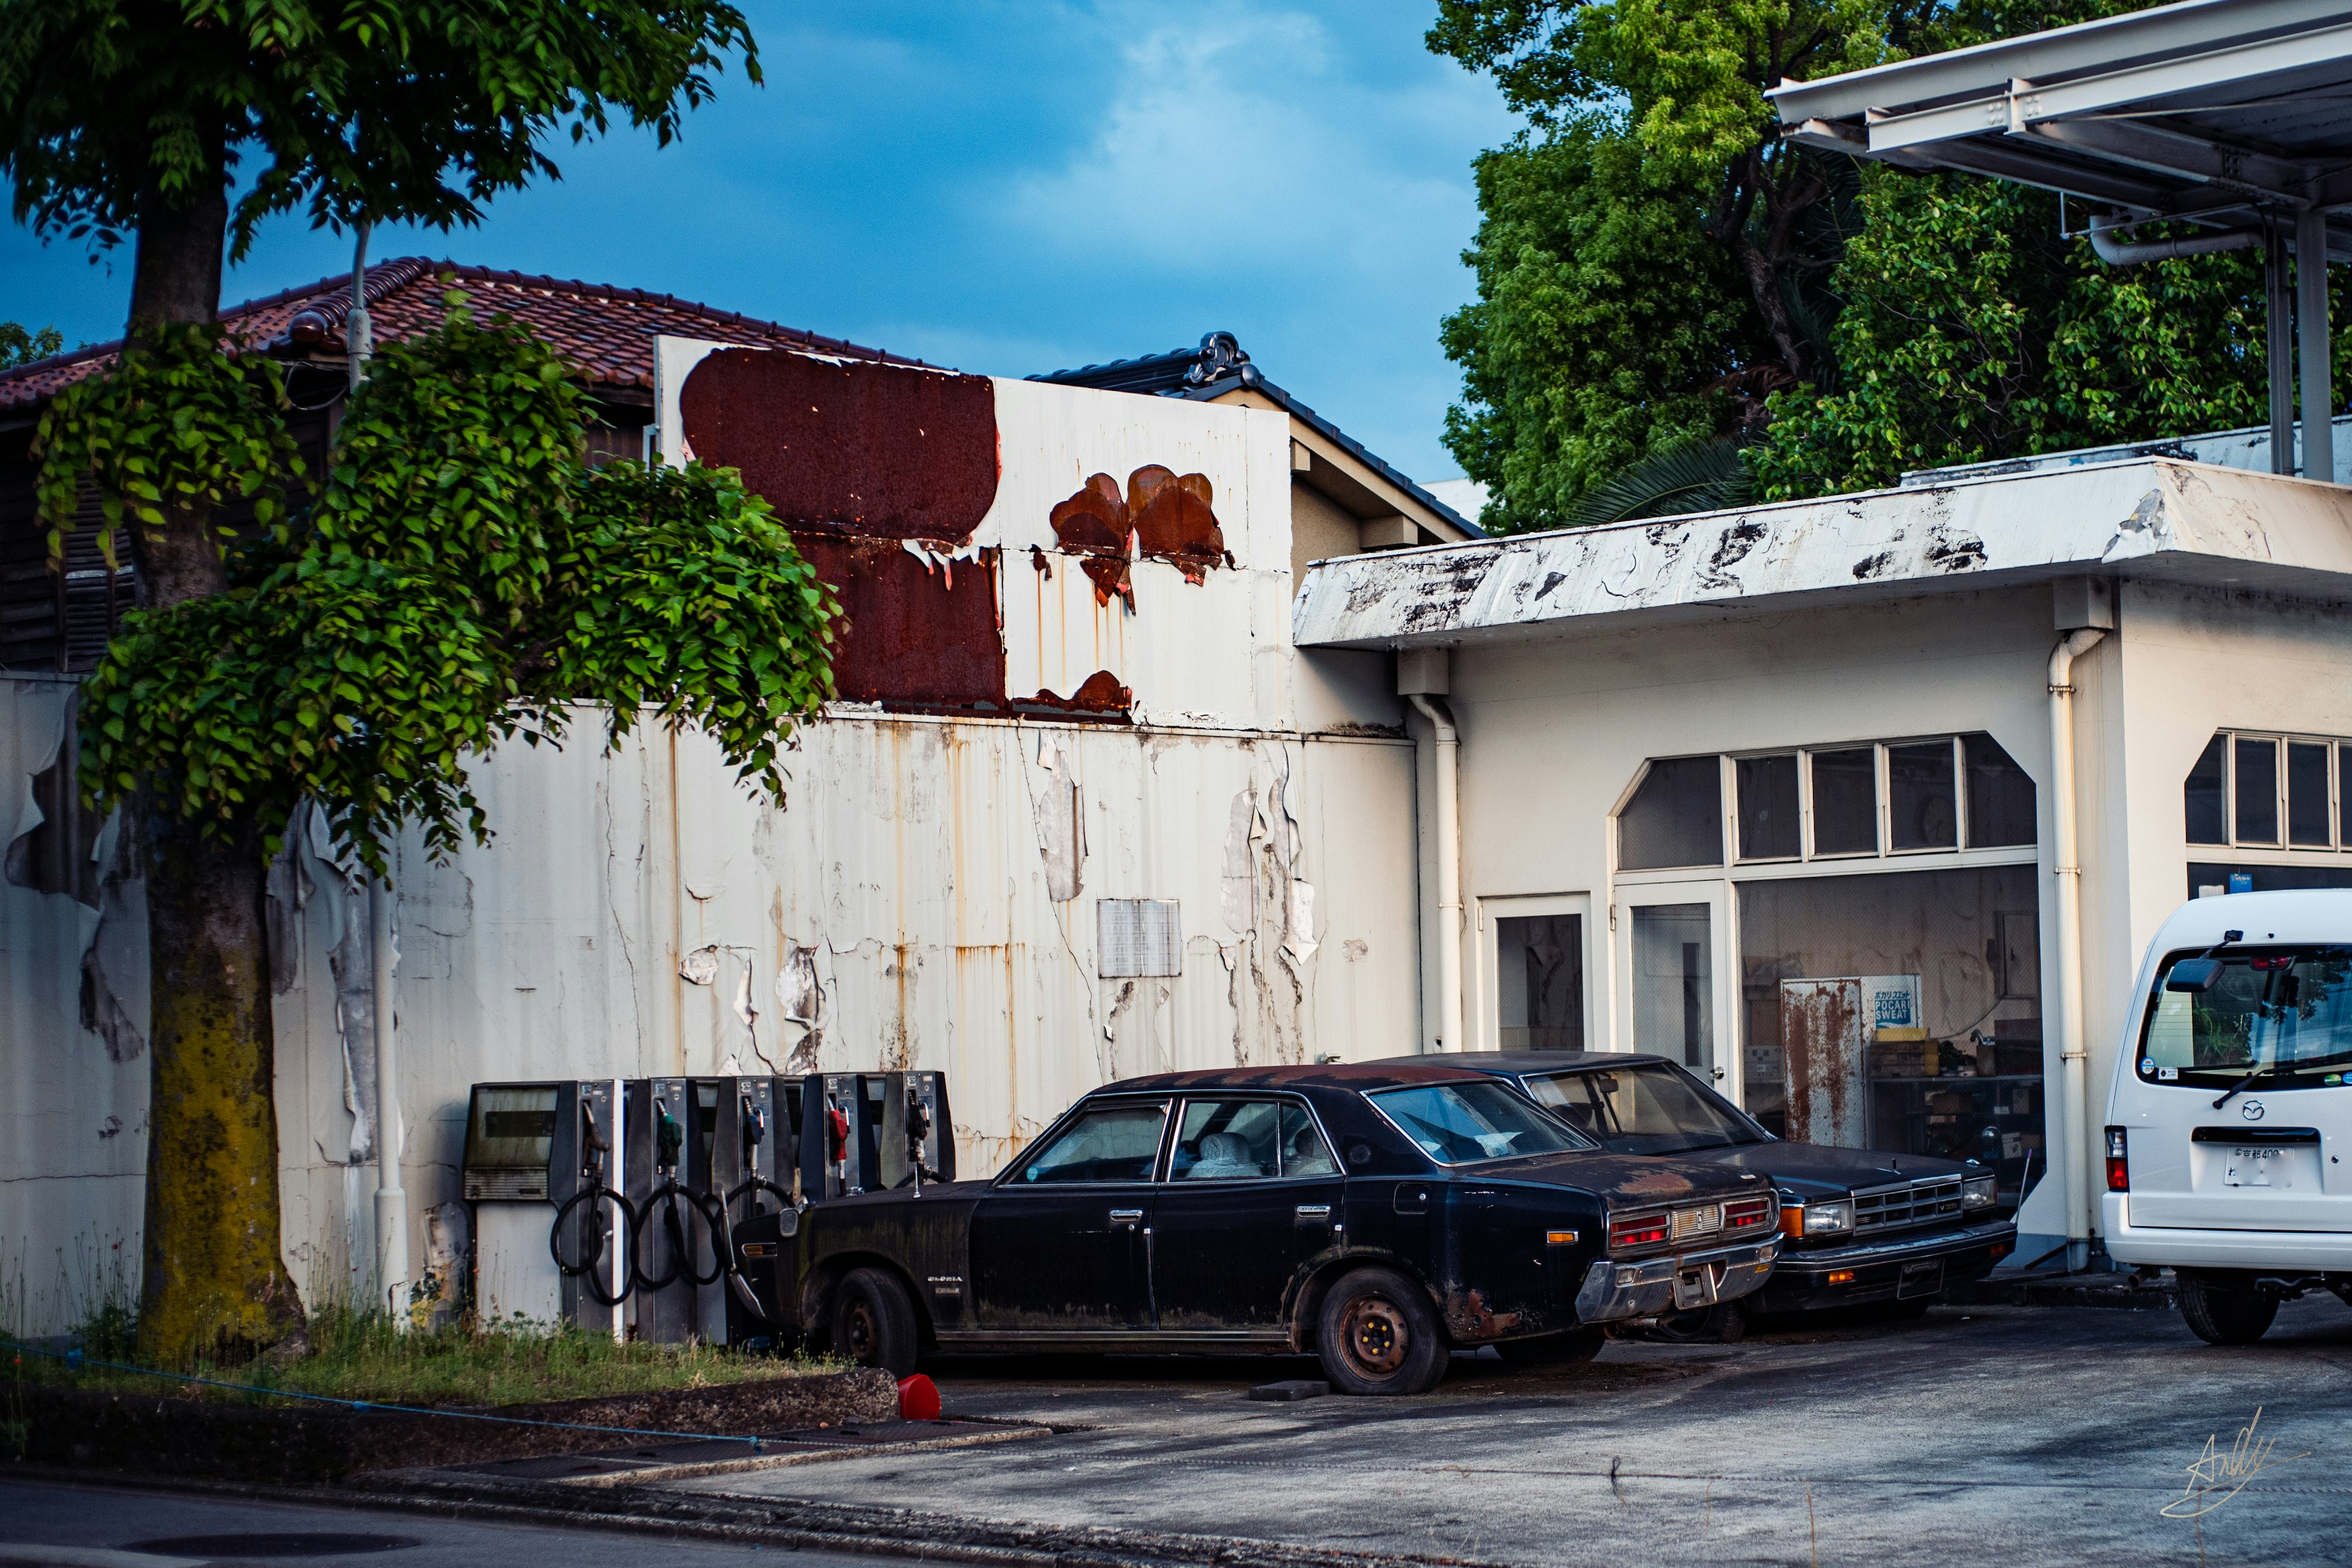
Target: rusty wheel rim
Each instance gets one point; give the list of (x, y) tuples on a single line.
[(857, 1318), (1376, 1336)]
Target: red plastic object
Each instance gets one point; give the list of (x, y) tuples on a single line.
[(919, 1399)]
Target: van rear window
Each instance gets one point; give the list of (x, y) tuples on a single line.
[(2282, 1012)]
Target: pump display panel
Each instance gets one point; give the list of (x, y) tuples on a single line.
[(510, 1141)]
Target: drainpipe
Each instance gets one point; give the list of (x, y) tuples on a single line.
[(2115, 252), (1423, 674), (390, 1199), (2074, 1059)]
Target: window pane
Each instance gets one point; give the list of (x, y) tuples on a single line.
[(1647, 1110), (1767, 807), (1303, 1153), (2343, 804), (1116, 1143), (2257, 791), (2206, 796), (2307, 809), (1459, 1123), (1226, 1140), (1675, 819), (1539, 982), (1845, 802), (1673, 994), (2000, 795), (1923, 812)]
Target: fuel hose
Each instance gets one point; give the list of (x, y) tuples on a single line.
[(666, 1198), (592, 1247)]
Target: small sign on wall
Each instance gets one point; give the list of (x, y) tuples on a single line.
[(1137, 937)]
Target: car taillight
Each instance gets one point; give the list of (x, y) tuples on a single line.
[(1640, 1231), (1747, 1214), (2118, 1163)]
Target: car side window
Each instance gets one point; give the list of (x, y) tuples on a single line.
[(1110, 1143), (1303, 1153)]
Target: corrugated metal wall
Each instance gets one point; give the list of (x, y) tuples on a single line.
[(926, 896)]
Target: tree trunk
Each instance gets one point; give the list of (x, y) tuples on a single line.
[(215, 1282)]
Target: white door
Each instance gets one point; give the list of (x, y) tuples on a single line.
[(1534, 988), (1679, 977)]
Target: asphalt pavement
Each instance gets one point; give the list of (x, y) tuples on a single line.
[(2017, 1435)]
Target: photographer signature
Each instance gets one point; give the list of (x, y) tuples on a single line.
[(2218, 1475)]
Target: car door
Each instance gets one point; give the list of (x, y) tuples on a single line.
[(1252, 1191), (1057, 1246)]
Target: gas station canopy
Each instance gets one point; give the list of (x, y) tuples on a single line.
[(2232, 115), (2213, 110)]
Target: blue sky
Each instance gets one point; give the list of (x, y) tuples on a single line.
[(1011, 188)]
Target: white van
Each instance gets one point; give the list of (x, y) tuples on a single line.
[(2228, 1141)]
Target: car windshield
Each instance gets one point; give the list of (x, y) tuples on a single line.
[(1651, 1109), (1462, 1123), (2287, 1010)]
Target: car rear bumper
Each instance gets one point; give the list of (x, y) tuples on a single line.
[(1613, 1291), (1904, 1269), (2312, 1250)]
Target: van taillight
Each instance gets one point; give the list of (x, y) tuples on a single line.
[(2118, 1163), (1747, 1214), (1639, 1232)]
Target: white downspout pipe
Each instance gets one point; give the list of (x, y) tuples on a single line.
[(1449, 870), (391, 1198), (2115, 252), (2072, 1057)]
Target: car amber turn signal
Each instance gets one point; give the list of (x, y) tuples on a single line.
[(1840, 1276), (2118, 1163), (1639, 1232), (1559, 1238)]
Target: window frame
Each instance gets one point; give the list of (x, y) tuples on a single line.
[(2282, 848), (1008, 1179), (1164, 1172)]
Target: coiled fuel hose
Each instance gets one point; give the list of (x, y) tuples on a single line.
[(667, 1196), (598, 1230)]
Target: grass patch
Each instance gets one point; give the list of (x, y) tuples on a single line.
[(361, 1355)]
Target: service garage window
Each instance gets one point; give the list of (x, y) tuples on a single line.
[(1939, 795), (2269, 792)]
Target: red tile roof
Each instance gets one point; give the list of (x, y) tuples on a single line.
[(609, 332)]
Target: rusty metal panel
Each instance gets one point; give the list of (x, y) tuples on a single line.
[(915, 629), (1822, 1031), (870, 449)]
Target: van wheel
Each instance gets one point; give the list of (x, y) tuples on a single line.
[(1377, 1333), (1553, 1349), (874, 1323), (2221, 1317)]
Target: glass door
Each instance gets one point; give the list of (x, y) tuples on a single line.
[(1675, 979)]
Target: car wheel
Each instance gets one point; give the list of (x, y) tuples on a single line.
[(1553, 1349), (1726, 1321), (874, 1323), (1377, 1333), (2221, 1317)]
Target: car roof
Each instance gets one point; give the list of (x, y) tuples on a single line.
[(1357, 1076), (2288, 914), (1533, 1061)]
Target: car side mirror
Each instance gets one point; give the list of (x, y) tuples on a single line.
[(2193, 974)]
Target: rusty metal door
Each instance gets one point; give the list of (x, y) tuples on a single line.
[(1822, 1031)]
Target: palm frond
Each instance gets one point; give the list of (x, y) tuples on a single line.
[(1698, 476)]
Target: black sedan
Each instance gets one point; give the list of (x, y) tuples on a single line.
[(1379, 1216), (1863, 1225)]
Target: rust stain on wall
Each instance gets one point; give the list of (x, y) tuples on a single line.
[(1099, 696), (912, 632), (1821, 1031), (1167, 516), (869, 448), (1094, 521)]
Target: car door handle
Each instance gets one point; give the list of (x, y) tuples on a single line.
[(1127, 1216), (1314, 1211)]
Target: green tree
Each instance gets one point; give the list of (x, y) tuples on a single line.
[(19, 346), (130, 120), (1659, 275)]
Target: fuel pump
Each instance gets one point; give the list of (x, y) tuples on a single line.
[(918, 1141), (863, 1099), (674, 1223), (826, 1135), (593, 1225), (760, 1143)]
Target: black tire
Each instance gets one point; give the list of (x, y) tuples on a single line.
[(1725, 1321), (1377, 1334), (1553, 1349), (2225, 1316), (1917, 1307), (874, 1323)]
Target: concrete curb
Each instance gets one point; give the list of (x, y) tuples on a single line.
[(832, 1527)]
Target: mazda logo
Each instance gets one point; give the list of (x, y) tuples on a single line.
[(2254, 1111)]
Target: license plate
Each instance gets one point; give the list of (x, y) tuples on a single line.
[(1695, 1287), (1920, 1280), (2255, 1168)]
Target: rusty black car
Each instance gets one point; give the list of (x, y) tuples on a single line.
[(1862, 1225), (1378, 1216)]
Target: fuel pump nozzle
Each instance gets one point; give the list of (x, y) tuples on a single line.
[(919, 1132)]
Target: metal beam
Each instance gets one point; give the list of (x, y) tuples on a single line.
[(2004, 158), (2239, 68), (2197, 26), (2310, 339), (2278, 333), (2157, 150)]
